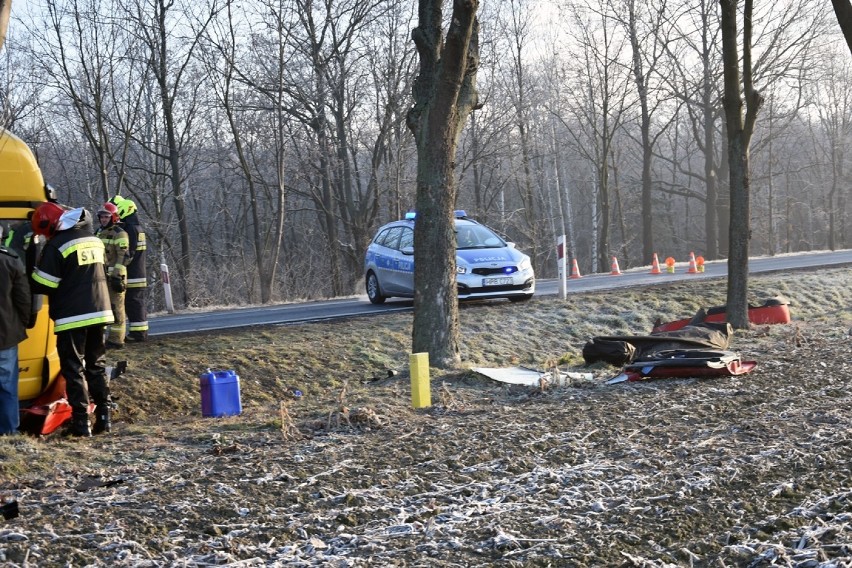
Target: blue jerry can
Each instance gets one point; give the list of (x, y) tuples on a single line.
[(220, 393)]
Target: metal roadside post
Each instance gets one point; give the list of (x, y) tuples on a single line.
[(560, 267), (167, 285), (420, 394)]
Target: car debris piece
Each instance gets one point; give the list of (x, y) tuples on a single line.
[(624, 349), (684, 363), (774, 310), (531, 377), (96, 481)]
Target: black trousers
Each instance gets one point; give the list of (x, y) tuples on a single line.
[(136, 310), (82, 360)]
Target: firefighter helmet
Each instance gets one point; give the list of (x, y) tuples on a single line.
[(46, 218), (110, 209), (125, 206)]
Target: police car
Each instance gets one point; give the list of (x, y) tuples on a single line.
[(486, 265)]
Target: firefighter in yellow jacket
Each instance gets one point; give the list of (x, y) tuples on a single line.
[(116, 244), (136, 301), (70, 271)]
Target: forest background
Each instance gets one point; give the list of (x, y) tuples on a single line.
[(264, 141)]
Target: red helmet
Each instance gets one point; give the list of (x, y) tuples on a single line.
[(110, 209), (46, 218)]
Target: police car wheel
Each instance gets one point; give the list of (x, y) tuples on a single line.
[(373, 290)]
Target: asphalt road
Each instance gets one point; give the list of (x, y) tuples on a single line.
[(167, 324)]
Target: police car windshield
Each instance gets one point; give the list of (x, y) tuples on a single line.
[(477, 237)]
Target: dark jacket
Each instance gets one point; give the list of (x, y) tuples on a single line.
[(136, 276), (19, 237), (15, 300), (71, 273)]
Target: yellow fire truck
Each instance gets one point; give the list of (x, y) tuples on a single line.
[(22, 188)]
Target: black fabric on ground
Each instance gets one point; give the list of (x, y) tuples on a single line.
[(703, 335)]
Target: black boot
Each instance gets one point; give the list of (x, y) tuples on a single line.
[(79, 426), (102, 419)]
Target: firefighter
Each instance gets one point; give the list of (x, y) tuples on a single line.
[(19, 237), (15, 302), (135, 303), (70, 271), (116, 244)]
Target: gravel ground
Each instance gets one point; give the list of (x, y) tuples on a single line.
[(738, 471)]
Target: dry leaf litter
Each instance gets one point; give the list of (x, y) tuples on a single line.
[(739, 471)]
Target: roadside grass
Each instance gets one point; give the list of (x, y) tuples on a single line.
[(362, 363), (320, 358)]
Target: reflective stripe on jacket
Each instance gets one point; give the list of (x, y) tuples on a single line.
[(116, 245), (71, 273), (136, 274)]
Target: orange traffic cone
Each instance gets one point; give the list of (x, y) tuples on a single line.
[(655, 266), (692, 269), (575, 270), (616, 271)]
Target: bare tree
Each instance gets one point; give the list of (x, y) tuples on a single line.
[(740, 131), (22, 95), (159, 25), (390, 60), (349, 76), (835, 119), (483, 145), (595, 104), (517, 29), (484, 151), (321, 86), (697, 88), (284, 141), (646, 50), (5, 10), (444, 95), (88, 58), (254, 107)]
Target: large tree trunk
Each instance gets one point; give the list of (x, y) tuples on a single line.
[(739, 136), (5, 10), (444, 95), (711, 204), (645, 129), (843, 11)]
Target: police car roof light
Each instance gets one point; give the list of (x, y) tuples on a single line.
[(458, 213)]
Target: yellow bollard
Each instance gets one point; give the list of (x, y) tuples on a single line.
[(418, 363)]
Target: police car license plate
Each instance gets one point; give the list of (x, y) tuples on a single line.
[(496, 281)]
